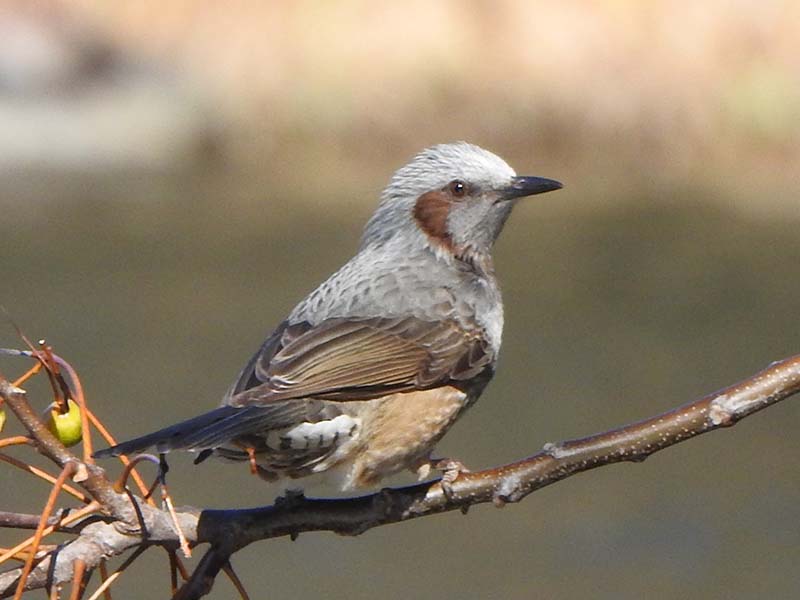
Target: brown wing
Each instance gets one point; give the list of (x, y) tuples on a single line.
[(346, 359), (338, 359)]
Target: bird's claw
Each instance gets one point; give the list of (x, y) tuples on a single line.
[(451, 469)]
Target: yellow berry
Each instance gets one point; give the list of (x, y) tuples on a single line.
[(66, 427), (2, 417)]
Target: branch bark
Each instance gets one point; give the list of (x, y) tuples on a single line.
[(24, 521), (131, 523)]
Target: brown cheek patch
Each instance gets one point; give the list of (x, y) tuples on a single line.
[(430, 212)]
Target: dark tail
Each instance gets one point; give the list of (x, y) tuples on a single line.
[(209, 430)]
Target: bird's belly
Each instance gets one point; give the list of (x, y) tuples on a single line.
[(396, 432), (370, 440)]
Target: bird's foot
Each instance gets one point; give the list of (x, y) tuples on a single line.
[(257, 469), (251, 459), (451, 469)]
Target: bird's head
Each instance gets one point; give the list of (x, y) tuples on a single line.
[(453, 198)]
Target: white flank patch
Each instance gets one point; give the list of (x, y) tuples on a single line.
[(320, 435)]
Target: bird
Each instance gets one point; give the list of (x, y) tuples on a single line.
[(371, 369)]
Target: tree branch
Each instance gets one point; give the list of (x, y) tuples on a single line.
[(23, 521), (230, 530)]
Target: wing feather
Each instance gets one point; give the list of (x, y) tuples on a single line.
[(338, 359), (356, 359)]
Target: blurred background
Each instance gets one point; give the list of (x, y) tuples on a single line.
[(175, 176)]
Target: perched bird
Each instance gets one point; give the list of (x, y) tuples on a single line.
[(371, 369)]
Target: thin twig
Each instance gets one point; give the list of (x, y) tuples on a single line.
[(116, 574), (27, 375), (176, 567), (167, 499), (43, 475), (61, 391), (201, 581), (78, 580), (137, 479), (122, 481), (237, 583), (20, 556), (68, 470), (16, 440), (104, 578), (70, 518), (173, 571)]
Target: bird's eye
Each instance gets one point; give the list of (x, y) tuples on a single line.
[(457, 188)]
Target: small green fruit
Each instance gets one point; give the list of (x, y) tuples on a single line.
[(66, 427)]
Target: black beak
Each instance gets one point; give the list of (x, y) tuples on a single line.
[(528, 186)]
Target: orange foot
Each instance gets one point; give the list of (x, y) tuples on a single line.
[(257, 469), (251, 456)]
